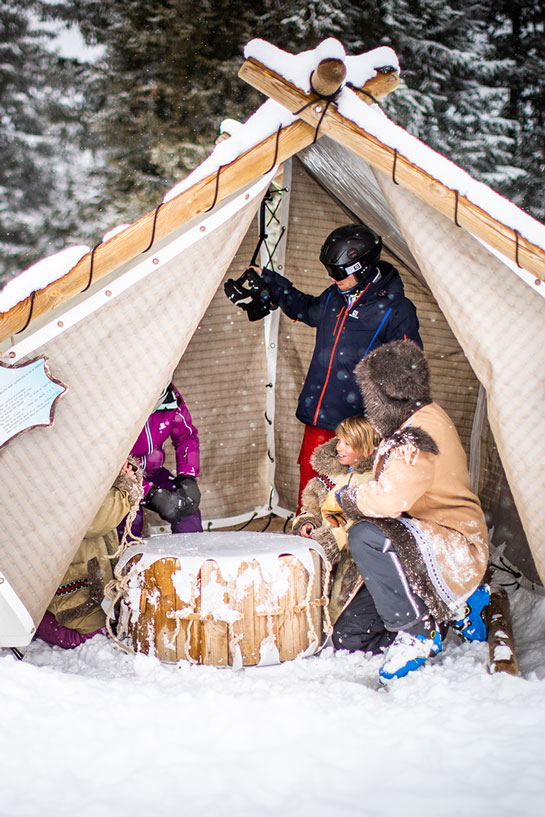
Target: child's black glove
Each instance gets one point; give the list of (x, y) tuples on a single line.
[(170, 505), (187, 487)]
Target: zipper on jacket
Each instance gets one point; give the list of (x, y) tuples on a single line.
[(347, 309)]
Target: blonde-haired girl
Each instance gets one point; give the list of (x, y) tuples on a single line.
[(346, 459)]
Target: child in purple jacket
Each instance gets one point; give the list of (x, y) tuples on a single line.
[(175, 498)]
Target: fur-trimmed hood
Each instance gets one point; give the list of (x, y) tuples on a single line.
[(395, 382), (324, 460)]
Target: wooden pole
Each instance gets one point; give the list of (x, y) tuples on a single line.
[(194, 201), (501, 643), (135, 239), (448, 201), (328, 77)]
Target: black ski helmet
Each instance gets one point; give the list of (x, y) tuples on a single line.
[(352, 249)]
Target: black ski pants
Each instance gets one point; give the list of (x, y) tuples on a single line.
[(386, 603)]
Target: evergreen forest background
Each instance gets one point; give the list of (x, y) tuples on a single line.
[(88, 143)]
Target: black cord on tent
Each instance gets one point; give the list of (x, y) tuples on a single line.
[(517, 248), (456, 197), (91, 267), (268, 523), (251, 519), (394, 167), (289, 518), (220, 168), (363, 91), (275, 150), (327, 98), (508, 568), (150, 245), (17, 653), (31, 310)]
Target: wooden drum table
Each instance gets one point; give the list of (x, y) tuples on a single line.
[(232, 598)]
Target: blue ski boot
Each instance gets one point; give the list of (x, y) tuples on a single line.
[(407, 653), (472, 626)]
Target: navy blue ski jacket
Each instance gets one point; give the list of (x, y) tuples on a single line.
[(344, 335)]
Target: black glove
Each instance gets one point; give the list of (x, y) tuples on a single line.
[(187, 487), (170, 505)]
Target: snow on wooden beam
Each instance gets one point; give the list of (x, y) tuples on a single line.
[(451, 203), (252, 72), (158, 224)]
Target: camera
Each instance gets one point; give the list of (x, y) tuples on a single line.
[(255, 298)]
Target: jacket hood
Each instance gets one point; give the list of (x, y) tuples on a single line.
[(395, 382), (324, 460)]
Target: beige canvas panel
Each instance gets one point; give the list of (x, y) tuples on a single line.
[(498, 321), (222, 378), (115, 363)]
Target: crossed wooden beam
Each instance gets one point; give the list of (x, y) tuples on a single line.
[(326, 80)]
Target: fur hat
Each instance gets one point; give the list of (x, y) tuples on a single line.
[(395, 382)]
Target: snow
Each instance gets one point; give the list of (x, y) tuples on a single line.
[(39, 275), (374, 121), (297, 68), (97, 731), (267, 119)]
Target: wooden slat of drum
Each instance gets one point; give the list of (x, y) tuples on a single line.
[(140, 628), (260, 618), (291, 628), (301, 614), (165, 624), (246, 626), (189, 640), (136, 628), (316, 611), (214, 634), (288, 631)]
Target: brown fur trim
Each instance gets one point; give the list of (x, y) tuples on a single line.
[(96, 580), (325, 538), (132, 487), (414, 566), (305, 519), (401, 442), (349, 504), (314, 494), (324, 461), (351, 583), (64, 617), (324, 458), (413, 435)]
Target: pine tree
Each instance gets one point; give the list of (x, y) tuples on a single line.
[(450, 97), (517, 31), (45, 161), (168, 78)]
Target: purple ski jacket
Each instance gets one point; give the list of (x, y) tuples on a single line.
[(170, 419)]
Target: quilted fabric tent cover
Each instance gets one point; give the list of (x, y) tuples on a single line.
[(241, 380), (115, 363)]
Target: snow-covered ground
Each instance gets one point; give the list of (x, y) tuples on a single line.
[(96, 731)]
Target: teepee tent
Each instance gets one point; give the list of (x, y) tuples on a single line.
[(116, 321)]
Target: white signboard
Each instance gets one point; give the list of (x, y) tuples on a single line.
[(27, 397)]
